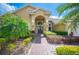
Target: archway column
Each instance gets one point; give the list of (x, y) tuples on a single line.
[(33, 24), (46, 24)]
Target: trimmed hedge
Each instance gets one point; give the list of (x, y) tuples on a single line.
[(49, 33), (2, 40), (67, 50), (27, 40), (61, 32), (11, 47)]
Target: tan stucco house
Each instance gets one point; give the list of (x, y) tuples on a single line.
[(38, 19)]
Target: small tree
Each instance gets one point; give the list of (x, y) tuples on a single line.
[(13, 27)]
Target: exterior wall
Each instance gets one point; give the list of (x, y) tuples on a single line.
[(56, 25), (59, 27), (23, 13), (63, 27)]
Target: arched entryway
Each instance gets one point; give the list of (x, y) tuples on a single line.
[(39, 24)]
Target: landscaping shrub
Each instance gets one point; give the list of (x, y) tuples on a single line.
[(61, 32), (49, 33), (27, 40), (2, 43), (11, 47), (0, 48), (67, 50), (13, 27), (2, 40)]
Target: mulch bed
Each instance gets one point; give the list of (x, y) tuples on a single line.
[(73, 40)]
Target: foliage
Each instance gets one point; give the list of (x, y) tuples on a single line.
[(11, 47), (67, 50), (0, 48), (49, 33), (61, 32), (13, 27), (2, 40), (72, 15), (27, 40)]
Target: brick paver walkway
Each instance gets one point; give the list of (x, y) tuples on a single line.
[(40, 46)]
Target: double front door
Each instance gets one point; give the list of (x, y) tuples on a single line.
[(39, 28)]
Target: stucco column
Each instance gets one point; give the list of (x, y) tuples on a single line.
[(46, 25), (33, 23)]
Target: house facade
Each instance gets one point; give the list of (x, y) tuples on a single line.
[(39, 20)]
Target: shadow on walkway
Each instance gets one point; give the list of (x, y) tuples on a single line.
[(37, 39)]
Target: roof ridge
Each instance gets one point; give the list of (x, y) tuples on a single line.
[(23, 7), (29, 5)]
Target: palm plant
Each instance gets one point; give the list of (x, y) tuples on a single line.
[(72, 14)]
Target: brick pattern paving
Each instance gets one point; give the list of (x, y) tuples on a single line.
[(40, 46)]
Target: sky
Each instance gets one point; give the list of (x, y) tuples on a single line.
[(9, 7)]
